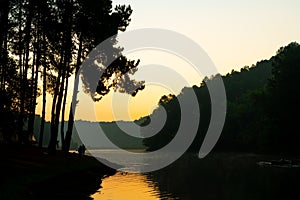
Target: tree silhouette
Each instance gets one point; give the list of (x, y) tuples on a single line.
[(49, 39), (90, 32), (285, 96)]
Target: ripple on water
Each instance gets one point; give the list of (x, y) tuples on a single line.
[(133, 186)]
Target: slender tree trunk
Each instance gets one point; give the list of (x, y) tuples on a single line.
[(34, 72), (21, 72), (44, 65), (74, 98), (62, 126), (54, 134), (37, 62), (43, 108), (68, 60), (35, 89), (58, 106), (44, 93)]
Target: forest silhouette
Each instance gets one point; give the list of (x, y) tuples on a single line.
[(262, 108), (44, 42)]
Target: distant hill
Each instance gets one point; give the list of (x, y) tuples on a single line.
[(111, 129)]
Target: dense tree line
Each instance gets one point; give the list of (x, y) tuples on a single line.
[(262, 108), (42, 44)]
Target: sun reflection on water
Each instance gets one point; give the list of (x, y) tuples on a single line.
[(124, 186)]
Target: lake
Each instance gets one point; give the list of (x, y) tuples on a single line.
[(218, 176)]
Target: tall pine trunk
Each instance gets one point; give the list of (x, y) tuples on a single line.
[(68, 137), (21, 74), (54, 134), (35, 75), (34, 72), (41, 139), (62, 126)]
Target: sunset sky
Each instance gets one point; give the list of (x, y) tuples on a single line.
[(234, 33)]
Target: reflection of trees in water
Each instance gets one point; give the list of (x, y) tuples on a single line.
[(226, 176)]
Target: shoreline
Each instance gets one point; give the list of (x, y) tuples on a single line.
[(30, 173)]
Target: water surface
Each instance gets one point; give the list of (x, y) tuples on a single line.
[(129, 186), (233, 176)]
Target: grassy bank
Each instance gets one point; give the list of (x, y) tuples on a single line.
[(32, 173)]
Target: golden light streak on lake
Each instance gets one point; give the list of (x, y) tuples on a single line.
[(124, 186)]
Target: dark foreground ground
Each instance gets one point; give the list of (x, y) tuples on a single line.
[(30, 173)]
